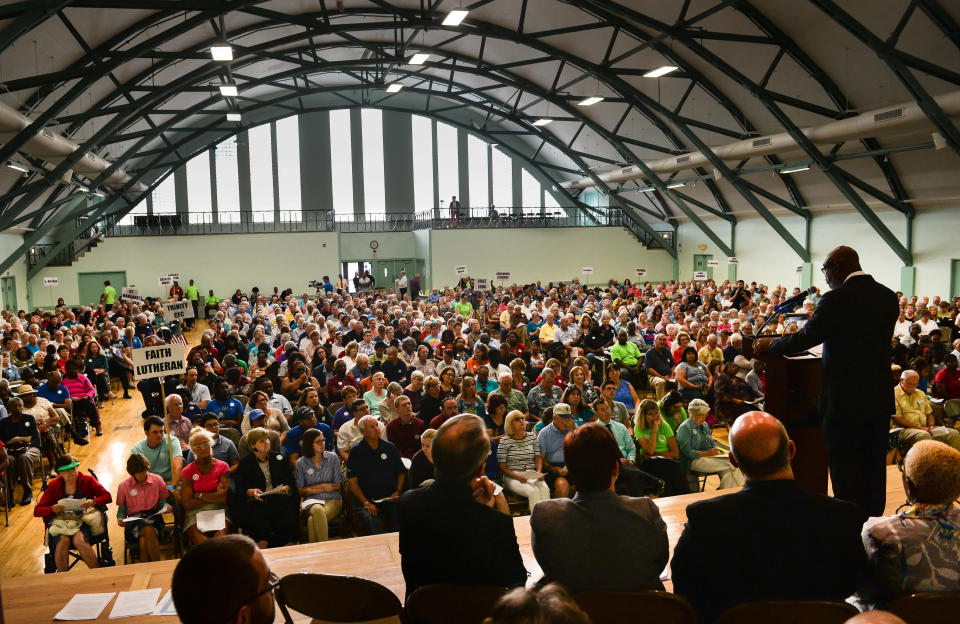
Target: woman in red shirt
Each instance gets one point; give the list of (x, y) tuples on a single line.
[(204, 483)]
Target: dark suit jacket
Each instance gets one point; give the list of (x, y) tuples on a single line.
[(448, 537), (600, 541), (854, 323), (769, 541)]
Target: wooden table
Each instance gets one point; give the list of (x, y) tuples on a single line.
[(37, 599)]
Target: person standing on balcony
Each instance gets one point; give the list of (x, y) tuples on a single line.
[(454, 211)]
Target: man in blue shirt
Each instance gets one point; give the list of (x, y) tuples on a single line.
[(228, 409), (551, 440), (306, 419), (327, 286)]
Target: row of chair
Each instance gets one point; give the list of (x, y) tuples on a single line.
[(362, 600)]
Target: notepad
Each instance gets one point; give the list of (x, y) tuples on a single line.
[(130, 603), (85, 607)]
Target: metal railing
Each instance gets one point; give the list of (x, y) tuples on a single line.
[(328, 221)]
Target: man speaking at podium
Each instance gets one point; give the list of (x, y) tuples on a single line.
[(854, 321)]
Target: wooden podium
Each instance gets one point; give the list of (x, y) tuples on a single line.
[(793, 396)]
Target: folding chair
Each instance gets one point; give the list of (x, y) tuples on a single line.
[(334, 598), (609, 606), (788, 612), (99, 543), (927, 607), (451, 604)]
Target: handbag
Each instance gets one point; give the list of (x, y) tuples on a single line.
[(94, 519)]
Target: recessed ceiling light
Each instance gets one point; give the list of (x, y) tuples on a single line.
[(795, 169), (542, 121), (228, 90), (234, 117), (660, 71), (82, 188), (590, 101), (675, 184), (454, 18), (648, 189), (221, 53), (18, 167), (99, 194), (393, 88), (419, 59)]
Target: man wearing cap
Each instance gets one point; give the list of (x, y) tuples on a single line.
[(551, 440), (19, 434), (48, 421)]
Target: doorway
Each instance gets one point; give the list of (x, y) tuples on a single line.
[(387, 272), (354, 268), (954, 278), (700, 264), (90, 285), (8, 286)]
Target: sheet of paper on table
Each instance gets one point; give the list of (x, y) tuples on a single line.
[(130, 603), (165, 606), (85, 607), (211, 520)]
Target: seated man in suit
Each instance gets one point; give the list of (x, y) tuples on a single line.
[(785, 543), (459, 511), (621, 541)]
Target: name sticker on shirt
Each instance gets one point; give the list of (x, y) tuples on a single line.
[(383, 455), (279, 457), (196, 477), (310, 471), (133, 492), (26, 424)]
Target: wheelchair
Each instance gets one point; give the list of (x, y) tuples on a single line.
[(99, 543)]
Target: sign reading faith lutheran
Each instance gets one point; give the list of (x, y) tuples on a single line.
[(177, 310), (151, 362)]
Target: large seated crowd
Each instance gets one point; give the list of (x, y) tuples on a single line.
[(382, 409)]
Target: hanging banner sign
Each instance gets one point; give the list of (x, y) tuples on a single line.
[(152, 362)]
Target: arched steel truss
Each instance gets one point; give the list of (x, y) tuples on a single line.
[(138, 100)]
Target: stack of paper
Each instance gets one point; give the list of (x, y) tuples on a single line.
[(85, 607), (212, 520), (165, 606), (128, 604)]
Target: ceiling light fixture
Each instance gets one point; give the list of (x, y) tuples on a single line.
[(675, 185), (660, 71), (590, 101), (229, 90), (394, 87), (234, 116), (419, 59), (795, 169), (542, 121), (454, 18), (18, 167), (221, 53), (82, 188), (647, 189), (99, 194)]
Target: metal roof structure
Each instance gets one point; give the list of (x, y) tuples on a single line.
[(107, 96)]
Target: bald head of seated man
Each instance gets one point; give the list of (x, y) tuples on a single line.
[(760, 447)]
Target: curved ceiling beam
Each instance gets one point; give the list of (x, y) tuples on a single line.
[(828, 167)]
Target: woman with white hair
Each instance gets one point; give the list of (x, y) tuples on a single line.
[(204, 485), (918, 550), (520, 460), (699, 451)]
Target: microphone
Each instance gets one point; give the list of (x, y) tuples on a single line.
[(790, 304)]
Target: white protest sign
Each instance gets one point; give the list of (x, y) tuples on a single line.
[(733, 260), (130, 293), (165, 281), (461, 270), (51, 281), (177, 310), (151, 362), (587, 270), (641, 272), (713, 263), (483, 283), (503, 276), (174, 276), (699, 275)]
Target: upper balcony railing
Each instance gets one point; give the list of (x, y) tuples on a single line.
[(328, 221)]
